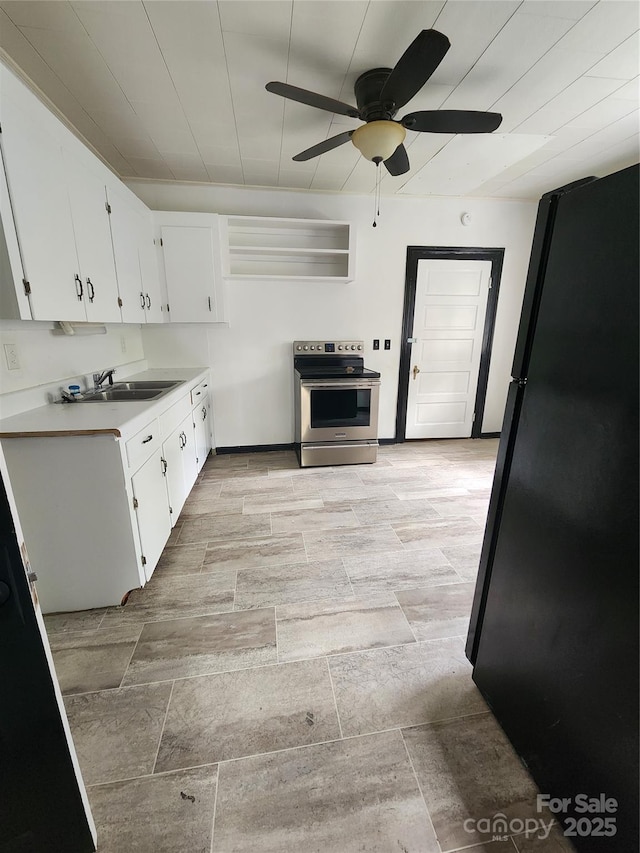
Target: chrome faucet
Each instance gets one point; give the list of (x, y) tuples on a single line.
[(99, 378)]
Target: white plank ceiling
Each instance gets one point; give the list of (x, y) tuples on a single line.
[(174, 89)]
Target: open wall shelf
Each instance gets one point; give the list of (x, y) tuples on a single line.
[(270, 248)]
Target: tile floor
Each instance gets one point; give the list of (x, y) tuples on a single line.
[(293, 677)]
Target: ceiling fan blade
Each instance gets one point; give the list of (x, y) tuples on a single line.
[(398, 163), (312, 99), (451, 121), (414, 67), (324, 146)]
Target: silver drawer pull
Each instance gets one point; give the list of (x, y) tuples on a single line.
[(147, 439)]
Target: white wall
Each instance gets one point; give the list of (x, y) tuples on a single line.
[(49, 361), (251, 358)]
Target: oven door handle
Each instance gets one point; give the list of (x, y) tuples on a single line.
[(340, 383)]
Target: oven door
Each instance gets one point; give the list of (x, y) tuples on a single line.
[(339, 410)]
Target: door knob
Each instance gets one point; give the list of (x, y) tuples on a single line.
[(416, 371)]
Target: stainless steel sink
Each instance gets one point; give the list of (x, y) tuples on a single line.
[(132, 391), (143, 384)]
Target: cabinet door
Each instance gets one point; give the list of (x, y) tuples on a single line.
[(172, 452), (201, 429), (93, 242), (125, 222), (190, 272), (152, 511), (37, 187), (189, 459), (152, 291)]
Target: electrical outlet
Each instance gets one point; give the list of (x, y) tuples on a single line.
[(376, 343), (123, 343), (11, 355), (387, 343)]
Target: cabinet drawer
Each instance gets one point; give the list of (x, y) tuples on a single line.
[(143, 444), (174, 416), (199, 392)]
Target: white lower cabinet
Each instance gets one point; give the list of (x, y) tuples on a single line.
[(201, 431), (178, 452), (152, 511), (96, 508)]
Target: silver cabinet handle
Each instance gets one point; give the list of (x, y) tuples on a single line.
[(209, 301), (142, 301), (147, 439), (79, 290), (204, 413), (92, 293), (148, 301)]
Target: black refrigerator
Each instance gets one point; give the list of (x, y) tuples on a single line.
[(554, 629)]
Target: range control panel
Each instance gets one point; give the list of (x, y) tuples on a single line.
[(326, 347)]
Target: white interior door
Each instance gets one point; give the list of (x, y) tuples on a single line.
[(449, 313)]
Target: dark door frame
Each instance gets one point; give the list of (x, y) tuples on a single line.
[(447, 253)]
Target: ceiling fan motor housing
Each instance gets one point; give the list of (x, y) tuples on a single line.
[(367, 90)]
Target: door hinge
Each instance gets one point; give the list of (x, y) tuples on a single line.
[(474, 418), (161, 243), (168, 309), (119, 302), (171, 510), (490, 282), (27, 286), (144, 560), (107, 207), (135, 503)]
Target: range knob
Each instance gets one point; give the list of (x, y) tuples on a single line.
[(305, 347), (339, 346), (298, 347), (312, 347), (353, 346), (359, 346)]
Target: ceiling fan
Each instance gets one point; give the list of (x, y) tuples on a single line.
[(380, 93)]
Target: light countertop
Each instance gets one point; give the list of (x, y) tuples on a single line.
[(123, 418)]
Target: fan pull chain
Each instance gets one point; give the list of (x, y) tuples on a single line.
[(376, 196)]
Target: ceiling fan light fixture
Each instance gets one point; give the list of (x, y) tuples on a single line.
[(377, 140)]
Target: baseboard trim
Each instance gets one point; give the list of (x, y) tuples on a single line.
[(382, 441), (489, 435), (253, 448)]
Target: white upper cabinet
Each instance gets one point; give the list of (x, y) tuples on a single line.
[(135, 258), (125, 233), (191, 259), (36, 180), (154, 299), (93, 242), (69, 257)]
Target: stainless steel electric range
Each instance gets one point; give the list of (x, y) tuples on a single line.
[(336, 403)]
